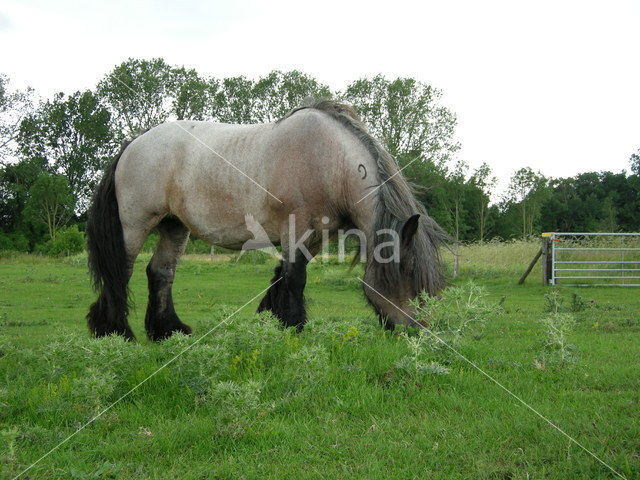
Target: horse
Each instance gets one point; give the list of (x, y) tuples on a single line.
[(318, 165)]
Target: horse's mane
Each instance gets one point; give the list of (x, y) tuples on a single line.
[(420, 262)]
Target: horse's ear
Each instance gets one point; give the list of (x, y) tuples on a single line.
[(409, 229)]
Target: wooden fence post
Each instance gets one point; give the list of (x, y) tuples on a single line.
[(546, 261), (546, 258)]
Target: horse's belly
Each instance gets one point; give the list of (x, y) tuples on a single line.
[(223, 237), (230, 231)]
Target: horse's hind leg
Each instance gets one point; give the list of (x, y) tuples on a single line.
[(108, 314), (161, 320)]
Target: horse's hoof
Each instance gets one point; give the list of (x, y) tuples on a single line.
[(179, 328), (184, 328)]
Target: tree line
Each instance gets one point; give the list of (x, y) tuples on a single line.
[(53, 151)]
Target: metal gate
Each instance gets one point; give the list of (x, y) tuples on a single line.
[(594, 259)]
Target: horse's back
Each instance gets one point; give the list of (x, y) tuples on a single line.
[(210, 175)]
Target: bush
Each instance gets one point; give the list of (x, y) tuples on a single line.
[(16, 242), (5, 242), (198, 246), (253, 257), (195, 245), (67, 242), (150, 242)]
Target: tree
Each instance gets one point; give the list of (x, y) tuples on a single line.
[(527, 190), (50, 203), (431, 188), (193, 96), (234, 101), (241, 100), (484, 184), (634, 160), (279, 92), (72, 135), (456, 194), (139, 94), (15, 181), (406, 116), (608, 222), (14, 106)]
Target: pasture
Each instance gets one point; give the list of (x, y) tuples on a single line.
[(253, 400)]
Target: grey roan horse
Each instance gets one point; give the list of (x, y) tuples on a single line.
[(314, 165)]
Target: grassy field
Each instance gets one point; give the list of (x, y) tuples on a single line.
[(254, 401)]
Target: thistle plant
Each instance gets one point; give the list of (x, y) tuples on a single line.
[(577, 303), (418, 362), (461, 312), (553, 302), (449, 321), (557, 326)]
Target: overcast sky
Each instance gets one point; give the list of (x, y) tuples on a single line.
[(554, 85)]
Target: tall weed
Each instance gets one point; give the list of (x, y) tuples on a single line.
[(449, 322), (558, 324)]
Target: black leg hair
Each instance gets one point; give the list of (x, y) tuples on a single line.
[(285, 299), (108, 315), (161, 320)]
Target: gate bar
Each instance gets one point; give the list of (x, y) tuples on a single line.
[(597, 234), (597, 261), (598, 270), (623, 277), (601, 249)]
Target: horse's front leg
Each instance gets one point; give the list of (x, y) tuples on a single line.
[(285, 297)]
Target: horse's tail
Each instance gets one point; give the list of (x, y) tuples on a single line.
[(108, 263)]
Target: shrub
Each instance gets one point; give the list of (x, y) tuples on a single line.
[(253, 257), (150, 242), (67, 242), (16, 242), (198, 246), (5, 242)]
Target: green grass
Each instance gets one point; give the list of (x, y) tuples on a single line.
[(255, 401)]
